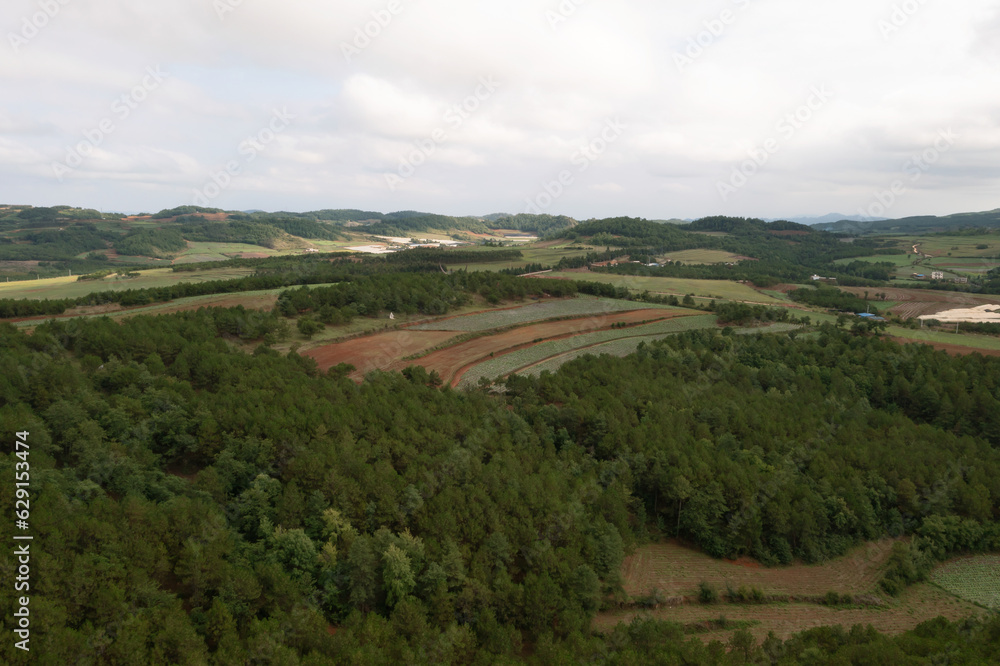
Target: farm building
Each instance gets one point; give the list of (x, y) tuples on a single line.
[(937, 275), (918, 276)]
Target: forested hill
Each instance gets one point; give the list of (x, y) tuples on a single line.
[(917, 224), (192, 503), (764, 252)]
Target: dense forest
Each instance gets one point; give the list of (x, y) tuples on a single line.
[(195, 503)]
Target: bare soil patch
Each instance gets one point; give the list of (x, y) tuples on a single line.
[(676, 570), (381, 351), (915, 605)]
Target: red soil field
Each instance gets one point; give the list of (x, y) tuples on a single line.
[(377, 352), (386, 351), (451, 363)]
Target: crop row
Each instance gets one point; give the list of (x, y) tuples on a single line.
[(975, 579), (508, 363), (581, 307)]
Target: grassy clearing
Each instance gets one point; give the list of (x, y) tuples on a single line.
[(703, 257), (961, 339), (704, 289), (975, 579), (69, 287), (522, 358), (576, 307)]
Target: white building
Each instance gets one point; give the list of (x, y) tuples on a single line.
[(937, 275)]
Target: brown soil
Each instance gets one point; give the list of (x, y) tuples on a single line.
[(387, 351), (676, 571), (453, 362), (377, 352), (914, 606)]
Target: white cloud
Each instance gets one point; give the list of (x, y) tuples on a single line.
[(357, 118)]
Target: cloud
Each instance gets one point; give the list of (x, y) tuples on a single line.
[(559, 80)]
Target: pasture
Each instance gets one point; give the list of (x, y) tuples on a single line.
[(702, 289), (704, 257), (69, 287)]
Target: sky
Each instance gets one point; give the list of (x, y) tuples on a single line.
[(589, 108)]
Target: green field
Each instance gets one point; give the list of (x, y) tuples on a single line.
[(703, 257), (69, 287), (575, 307), (959, 246), (975, 579), (924, 335), (703, 289), (522, 358)]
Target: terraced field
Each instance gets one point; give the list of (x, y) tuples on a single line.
[(530, 356), (500, 318)]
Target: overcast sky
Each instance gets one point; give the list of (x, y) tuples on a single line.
[(589, 108)]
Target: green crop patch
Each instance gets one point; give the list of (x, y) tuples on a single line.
[(975, 579)]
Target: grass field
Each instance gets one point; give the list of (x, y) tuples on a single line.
[(975, 579), (543, 254), (704, 257), (570, 307), (703, 289), (69, 287)]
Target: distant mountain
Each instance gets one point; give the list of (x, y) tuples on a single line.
[(826, 219), (919, 224)]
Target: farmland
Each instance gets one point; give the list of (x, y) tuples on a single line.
[(69, 287), (975, 579), (914, 606), (575, 307), (556, 352), (704, 257), (703, 289), (917, 302), (676, 572), (427, 343)]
